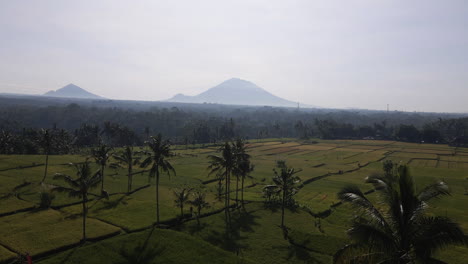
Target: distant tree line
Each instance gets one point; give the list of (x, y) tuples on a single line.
[(74, 126)]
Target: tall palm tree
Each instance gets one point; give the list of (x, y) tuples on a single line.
[(101, 155), (242, 168), (199, 201), (397, 231), (160, 151), (182, 196), (223, 165), (128, 158), (45, 141), (80, 186), (286, 182)]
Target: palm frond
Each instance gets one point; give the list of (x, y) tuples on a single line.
[(433, 191), (435, 233), (354, 195), (69, 180)]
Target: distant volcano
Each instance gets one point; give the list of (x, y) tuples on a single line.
[(235, 92), (72, 91)]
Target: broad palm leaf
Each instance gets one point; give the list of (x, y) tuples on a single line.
[(400, 232), (79, 186), (160, 151)]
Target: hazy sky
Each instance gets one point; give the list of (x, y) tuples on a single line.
[(412, 54)]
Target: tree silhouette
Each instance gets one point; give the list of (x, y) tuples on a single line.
[(128, 158), (242, 168), (286, 182), (160, 151), (79, 186), (397, 231), (182, 196), (45, 141), (199, 201), (101, 155), (223, 165)]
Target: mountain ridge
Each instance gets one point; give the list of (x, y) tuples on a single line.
[(235, 91)]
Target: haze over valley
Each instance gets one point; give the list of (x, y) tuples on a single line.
[(247, 131)]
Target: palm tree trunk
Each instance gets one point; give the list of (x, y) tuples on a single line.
[(129, 187), (46, 166), (198, 215), (237, 190), (181, 211), (102, 180), (157, 195), (220, 191), (84, 217), (282, 209), (242, 191)]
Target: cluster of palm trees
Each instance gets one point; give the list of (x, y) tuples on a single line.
[(198, 200), (85, 180), (395, 231), (232, 161)]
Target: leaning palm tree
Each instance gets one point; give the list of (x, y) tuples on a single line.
[(160, 151), (101, 155), (199, 201), (182, 196), (45, 141), (128, 158), (286, 182), (223, 165), (397, 231), (80, 186)]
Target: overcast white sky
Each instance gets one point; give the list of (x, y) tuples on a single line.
[(412, 55)]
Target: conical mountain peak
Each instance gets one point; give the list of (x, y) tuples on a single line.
[(235, 91), (72, 91)]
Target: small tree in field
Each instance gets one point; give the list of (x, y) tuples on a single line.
[(160, 152), (101, 155), (182, 196), (128, 158), (80, 186), (286, 183), (45, 141), (199, 201)]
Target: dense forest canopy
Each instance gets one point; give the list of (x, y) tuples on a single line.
[(118, 123)]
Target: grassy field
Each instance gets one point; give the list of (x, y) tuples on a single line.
[(120, 223)]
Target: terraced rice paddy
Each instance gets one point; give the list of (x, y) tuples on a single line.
[(326, 167)]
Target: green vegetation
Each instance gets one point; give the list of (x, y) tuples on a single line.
[(397, 230), (118, 226)]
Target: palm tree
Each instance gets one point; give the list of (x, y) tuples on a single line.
[(199, 201), (101, 155), (397, 231), (45, 141), (223, 166), (80, 186), (161, 150), (128, 158), (182, 197), (285, 181), (243, 167)]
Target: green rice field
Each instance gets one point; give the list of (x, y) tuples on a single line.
[(121, 224)]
